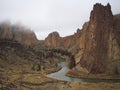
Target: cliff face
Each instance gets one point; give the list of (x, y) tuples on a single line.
[(69, 42), (114, 48), (54, 40), (17, 33), (97, 39), (101, 51), (80, 43)]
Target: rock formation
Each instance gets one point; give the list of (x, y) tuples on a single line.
[(97, 39), (17, 33), (100, 43), (97, 45), (53, 39)]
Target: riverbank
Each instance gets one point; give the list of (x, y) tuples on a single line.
[(42, 82), (74, 73), (66, 74), (47, 83)]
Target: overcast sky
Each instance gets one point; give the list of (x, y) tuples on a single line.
[(45, 16)]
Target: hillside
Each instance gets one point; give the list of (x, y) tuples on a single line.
[(17, 33)]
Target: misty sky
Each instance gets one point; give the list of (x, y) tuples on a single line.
[(45, 16)]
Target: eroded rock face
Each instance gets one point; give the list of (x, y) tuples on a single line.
[(17, 33), (53, 39), (113, 66), (69, 42), (101, 52), (80, 43)]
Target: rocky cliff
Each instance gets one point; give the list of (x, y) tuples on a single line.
[(17, 33), (97, 45), (102, 51), (97, 39), (53, 39), (69, 42)]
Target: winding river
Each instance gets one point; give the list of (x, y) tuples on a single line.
[(61, 75)]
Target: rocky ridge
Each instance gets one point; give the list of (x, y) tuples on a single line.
[(17, 33), (54, 40)]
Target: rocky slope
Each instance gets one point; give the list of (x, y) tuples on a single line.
[(21, 53), (17, 33)]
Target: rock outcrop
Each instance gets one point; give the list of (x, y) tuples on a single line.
[(17, 33), (97, 45), (69, 42), (53, 39), (101, 48), (97, 39), (114, 48)]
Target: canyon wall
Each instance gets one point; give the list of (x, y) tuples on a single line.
[(102, 50), (97, 39), (70, 43), (97, 45)]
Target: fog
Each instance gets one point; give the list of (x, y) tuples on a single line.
[(46, 16)]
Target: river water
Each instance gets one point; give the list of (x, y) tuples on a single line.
[(61, 75)]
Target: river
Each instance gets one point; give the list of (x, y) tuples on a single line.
[(61, 75)]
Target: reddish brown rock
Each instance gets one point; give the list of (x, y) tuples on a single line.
[(68, 42), (113, 65), (52, 40), (97, 39), (101, 48)]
